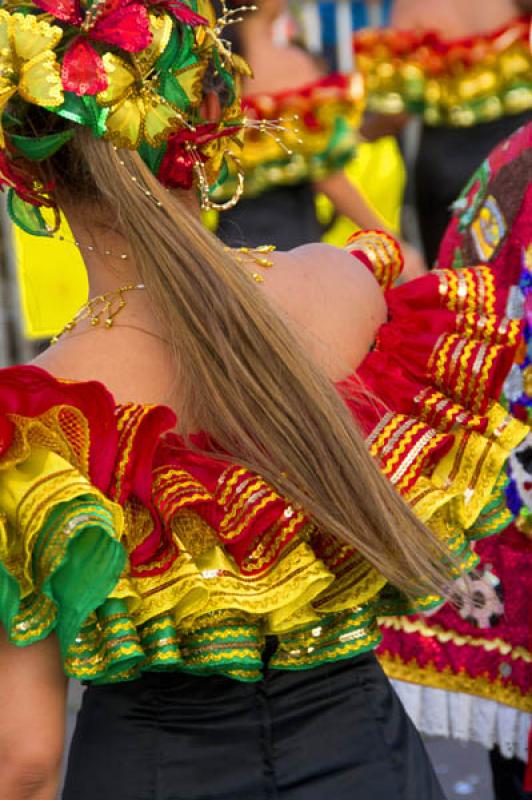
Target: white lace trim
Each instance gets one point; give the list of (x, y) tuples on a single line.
[(454, 715)]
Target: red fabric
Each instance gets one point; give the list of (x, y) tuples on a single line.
[(398, 368), (507, 260), (176, 170), (508, 555), (137, 460), (30, 392), (271, 106), (430, 49)]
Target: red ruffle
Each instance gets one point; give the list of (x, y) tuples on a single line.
[(420, 325), (29, 391), (135, 459), (429, 48), (272, 106), (404, 363)]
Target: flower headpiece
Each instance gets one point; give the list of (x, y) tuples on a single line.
[(132, 71)]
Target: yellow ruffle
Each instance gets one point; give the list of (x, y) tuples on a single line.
[(29, 493), (67, 556), (464, 479)]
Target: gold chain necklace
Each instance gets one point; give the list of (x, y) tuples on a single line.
[(101, 309), (104, 308)]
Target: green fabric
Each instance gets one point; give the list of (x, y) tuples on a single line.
[(27, 216), (38, 149), (84, 111), (76, 562)]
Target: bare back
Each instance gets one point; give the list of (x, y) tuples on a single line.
[(453, 19), (328, 298)]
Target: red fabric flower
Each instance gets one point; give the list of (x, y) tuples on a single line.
[(14, 176), (184, 150), (121, 23), (182, 12)]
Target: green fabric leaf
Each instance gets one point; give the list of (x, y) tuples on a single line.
[(96, 115), (37, 149), (73, 109), (26, 216), (186, 56), (222, 177), (83, 111), (152, 156), (9, 120), (171, 90), (170, 54)]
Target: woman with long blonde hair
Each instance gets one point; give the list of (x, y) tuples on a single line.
[(190, 521)]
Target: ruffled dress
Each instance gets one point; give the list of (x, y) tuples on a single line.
[(461, 676), (460, 82), (145, 553), (296, 137), (470, 94)]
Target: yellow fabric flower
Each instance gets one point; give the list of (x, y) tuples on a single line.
[(27, 61), (136, 109)]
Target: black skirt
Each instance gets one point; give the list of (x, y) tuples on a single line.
[(337, 732), (284, 216)]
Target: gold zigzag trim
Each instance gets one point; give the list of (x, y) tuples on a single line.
[(480, 686)]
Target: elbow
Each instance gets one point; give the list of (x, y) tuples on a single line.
[(30, 775)]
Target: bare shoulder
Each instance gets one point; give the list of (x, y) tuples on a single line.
[(332, 300)]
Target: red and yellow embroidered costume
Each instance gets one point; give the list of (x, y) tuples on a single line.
[(300, 134), (449, 82), (145, 553), (491, 221)]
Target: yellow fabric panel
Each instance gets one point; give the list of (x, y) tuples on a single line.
[(52, 281), (378, 172)]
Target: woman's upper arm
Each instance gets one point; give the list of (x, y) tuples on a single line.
[(32, 710), (334, 302)]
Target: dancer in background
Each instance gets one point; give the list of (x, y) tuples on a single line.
[(466, 69), (285, 169), (481, 656)]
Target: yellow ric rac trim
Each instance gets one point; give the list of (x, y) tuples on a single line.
[(505, 693), (444, 636)]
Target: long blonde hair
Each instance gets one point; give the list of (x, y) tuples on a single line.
[(243, 376)]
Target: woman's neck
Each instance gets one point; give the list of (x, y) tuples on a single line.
[(108, 259)]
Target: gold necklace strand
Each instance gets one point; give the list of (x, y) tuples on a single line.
[(107, 305), (82, 246), (90, 247), (110, 304)]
